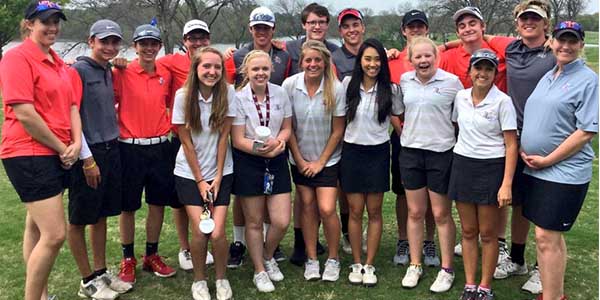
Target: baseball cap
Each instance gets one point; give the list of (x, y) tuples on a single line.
[(484, 54), (469, 10), (534, 9), (43, 10), (195, 25), (414, 15), (146, 31), (571, 27), (262, 15), (349, 12), (105, 28)]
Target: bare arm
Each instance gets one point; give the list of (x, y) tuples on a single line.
[(337, 133), (505, 192), (293, 145), (185, 136), (35, 126), (221, 154), (566, 149), (397, 123)]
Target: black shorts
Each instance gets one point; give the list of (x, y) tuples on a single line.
[(88, 205), (249, 171), (519, 184), (397, 186), (175, 145), (476, 181), (423, 168), (365, 169), (148, 169), (189, 193), (551, 205), (328, 177), (36, 177)]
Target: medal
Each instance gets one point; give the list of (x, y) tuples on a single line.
[(207, 224)]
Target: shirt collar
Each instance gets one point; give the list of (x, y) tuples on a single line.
[(347, 52), (371, 90), (570, 67), (301, 85), (438, 76), (201, 99), (30, 47)]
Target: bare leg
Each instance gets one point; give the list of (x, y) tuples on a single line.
[(331, 224), (310, 222), (374, 202), (77, 245), (180, 218), (417, 208), (552, 259), (30, 237), (280, 210), (430, 223), (154, 222), (218, 239), (488, 216), (98, 243), (356, 203), (470, 236), (127, 227), (442, 207), (199, 243), (254, 210)]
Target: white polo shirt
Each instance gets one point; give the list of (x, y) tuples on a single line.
[(312, 123), (205, 141), (246, 113), (428, 111), (480, 128), (365, 129)]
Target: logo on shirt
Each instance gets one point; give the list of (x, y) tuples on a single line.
[(277, 59), (488, 115), (161, 81)]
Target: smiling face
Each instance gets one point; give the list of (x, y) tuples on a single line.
[(352, 31), (259, 71), (566, 48), (470, 29), (531, 25), (210, 69), (316, 27), (423, 59), (196, 39), (147, 49), (262, 34), (104, 49), (44, 33), (313, 64), (414, 29), (482, 74), (370, 63)]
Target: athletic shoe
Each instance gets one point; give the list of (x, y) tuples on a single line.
[(508, 268), (364, 241), (482, 295), (311, 269), (97, 290), (443, 282), (468, 295), (273, 270), (534, 283), (346, 244), (402, 253), (332, 270), (185, 260), (236, 255), (278, 255), (503, 253), (223, 289), (52, 297), (430, 257), (413, 274), (115, 283), (458, 249), (127, 269), (200, 290), (369, 277), (263, 283), (298, 256), (320, 248), (209, 258), (153, 263), (356, 275)]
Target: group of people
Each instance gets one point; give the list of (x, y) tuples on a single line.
[(488, 122)]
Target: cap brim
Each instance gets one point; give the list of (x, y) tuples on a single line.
[(353, 14), (461, 13), (263, 23), (49, 13), (571, 31), (139, 38), (197, 28), (533, 10), (416, 19), (104, 35), (480, 59)]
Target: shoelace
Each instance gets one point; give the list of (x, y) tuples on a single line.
[(402, 248), (429, 249), (156, 261), (187, 255)]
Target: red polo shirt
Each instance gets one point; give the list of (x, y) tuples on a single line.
[(178, 65), (28, 76), (456, 61), (399, 66), (142, 100)]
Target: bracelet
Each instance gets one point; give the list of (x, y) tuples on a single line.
[(200, 180), (91, 166)]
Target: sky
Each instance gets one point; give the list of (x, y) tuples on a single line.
[(381, 5)]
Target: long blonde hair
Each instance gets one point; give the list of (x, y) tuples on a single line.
[(329, 77), (244, 68), (220, 101)]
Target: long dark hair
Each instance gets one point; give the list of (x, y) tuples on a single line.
[(384, 89)]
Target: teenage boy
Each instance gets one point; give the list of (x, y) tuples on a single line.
[(95, 187), (352, 30)]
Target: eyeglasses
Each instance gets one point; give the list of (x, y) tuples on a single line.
[(197, 38), (318, 22)]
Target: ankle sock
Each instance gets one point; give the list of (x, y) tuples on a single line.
[(127, 250), (517, 253), (100, 272), (470, 287), (89, 278), (448, 270), (485, 289), (151, 248)]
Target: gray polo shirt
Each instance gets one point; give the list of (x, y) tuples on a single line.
[(294, 48), (279, 58), (555, 110), (343, 61), (524, 68), (98, 114)]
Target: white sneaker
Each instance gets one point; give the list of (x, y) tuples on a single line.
[(443, 282), (458, 249), (502, 252), (356, 275), (364, 242), (507, 268), (273, 270), (185, 260), (200, 290), (97, 290), (311, 270), (534, 283), (209, 258), (430, 257), (402, 251), (413, 274), (115, 283), (346, 247), (223, 289), (332, 270), (369, 277), (263, 282)]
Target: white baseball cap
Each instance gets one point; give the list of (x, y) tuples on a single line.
[(262, 15), (195, 25)]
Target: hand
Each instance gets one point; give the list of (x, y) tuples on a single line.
[(504, 195), (278, 44), (69, 61), (393, 53), (227, 54), (70, 155), (215, 186), (535, 162), (120, 62), (269, 145), (91, 171), (313, 168), (203, 187)]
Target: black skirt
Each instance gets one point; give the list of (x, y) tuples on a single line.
[(328, 177), (365, 168), (249, 172), (476, 181)]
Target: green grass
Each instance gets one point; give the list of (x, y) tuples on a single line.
[(591, 37), (591, 57)]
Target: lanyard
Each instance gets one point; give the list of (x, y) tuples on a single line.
[(263, 121)]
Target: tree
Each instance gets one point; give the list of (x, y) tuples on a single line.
[(567, 9), (11, 13)]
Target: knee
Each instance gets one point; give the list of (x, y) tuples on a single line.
[(469, 233), (327, 213), (545, 243), (56, 237), (442, 218), (416, 215), (375, 216), (488, 236), (218, 235), (280, 224)]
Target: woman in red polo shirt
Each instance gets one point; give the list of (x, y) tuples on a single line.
[(41, 137)]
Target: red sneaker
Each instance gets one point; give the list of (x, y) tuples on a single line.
[(154, 263), (127, 272)]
